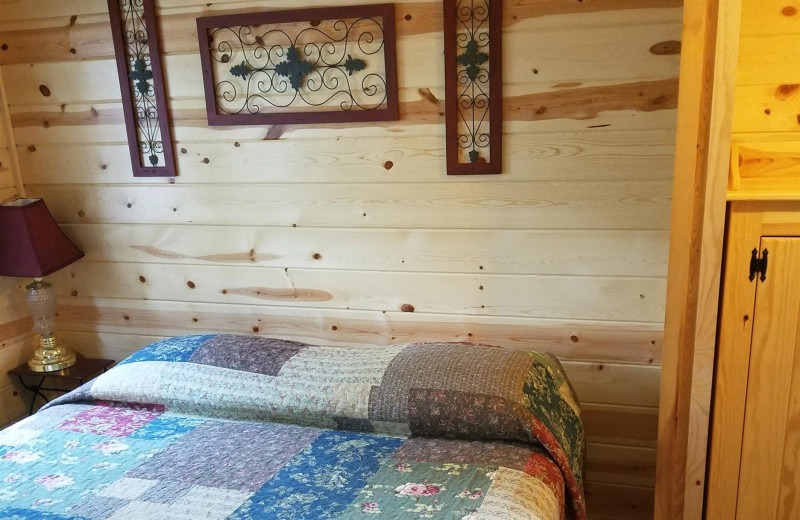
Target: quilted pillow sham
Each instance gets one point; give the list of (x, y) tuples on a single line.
[(446, 390)]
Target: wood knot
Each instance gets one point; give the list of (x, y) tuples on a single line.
[(789, 11), (574, 338), (255, 329), (73, 51), (142, 279), (314, 23), (316, 256), (4, 47), (206, 160), (44, 90), (190, 284), (81, 213), (541, 110), (334, 327), (183, 150), (407, 17), (236, 144), (427, 95), (785, 91), (388, 165), (224, 291), (666, 48), (407, 307), (126, 318), (31, 148), (73, 292), (194, 320), (45, 124)]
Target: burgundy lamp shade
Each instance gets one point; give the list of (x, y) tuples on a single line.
[(31, 243)]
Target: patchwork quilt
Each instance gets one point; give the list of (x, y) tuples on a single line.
[(247, 428)]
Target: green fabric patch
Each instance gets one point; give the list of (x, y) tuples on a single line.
[(429, 490)]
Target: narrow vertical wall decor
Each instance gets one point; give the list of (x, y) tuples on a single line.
[(473, 86), (144, 102)]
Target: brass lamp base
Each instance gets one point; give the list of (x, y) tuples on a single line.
[(50, 356)]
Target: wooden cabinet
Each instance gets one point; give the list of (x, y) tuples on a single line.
[(754, 465)]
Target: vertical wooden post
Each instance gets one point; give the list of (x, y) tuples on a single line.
[(702, 159)]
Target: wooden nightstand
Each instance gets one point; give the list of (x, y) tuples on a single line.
[(84, 370)]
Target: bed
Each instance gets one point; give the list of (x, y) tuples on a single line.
[(223, 426)]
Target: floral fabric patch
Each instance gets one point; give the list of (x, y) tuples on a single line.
[(422, 490), (113, 421)]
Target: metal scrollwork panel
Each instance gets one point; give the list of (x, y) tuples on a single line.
[(300, 66), (136, 46), (473, 86)]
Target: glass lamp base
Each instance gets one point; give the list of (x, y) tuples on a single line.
[(50, 356)]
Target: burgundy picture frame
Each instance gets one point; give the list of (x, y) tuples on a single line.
[(385, 11), (495, 163), (121, 57)]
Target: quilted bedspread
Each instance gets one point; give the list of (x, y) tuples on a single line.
[(244, 428)]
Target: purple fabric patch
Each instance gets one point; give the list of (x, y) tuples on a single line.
[(166, 492), (462, 415), (475, 369), (247, 353), (509, 455), (212, 455), (112, 421)]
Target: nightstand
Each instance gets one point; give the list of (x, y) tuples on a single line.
[(84, 370)]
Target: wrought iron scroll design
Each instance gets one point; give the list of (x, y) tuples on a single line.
[(473, 86), (306, 65), (136, 46)]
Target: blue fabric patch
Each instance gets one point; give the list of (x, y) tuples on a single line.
[(30, 514), (322, 480), (166, 428), (173, 349)]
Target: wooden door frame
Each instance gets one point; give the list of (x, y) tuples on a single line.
[(710, 45)]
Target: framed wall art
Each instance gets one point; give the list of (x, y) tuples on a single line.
[(473, 86), (144, 102), (334, 64)]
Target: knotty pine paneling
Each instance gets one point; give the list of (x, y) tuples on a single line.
[(767, 96), (348, 233), (560, 252), (593, 341), (579, 156)]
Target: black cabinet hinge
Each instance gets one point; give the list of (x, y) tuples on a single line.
[(758, 265)]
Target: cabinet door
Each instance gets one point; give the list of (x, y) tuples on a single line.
[(769, 477)]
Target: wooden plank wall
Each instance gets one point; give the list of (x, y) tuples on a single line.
[(767, 104), (15, 326), (354, 233)]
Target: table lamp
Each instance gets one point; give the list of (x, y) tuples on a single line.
[(32, 245)]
